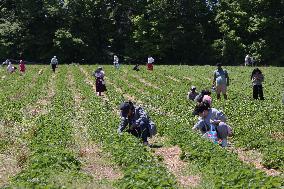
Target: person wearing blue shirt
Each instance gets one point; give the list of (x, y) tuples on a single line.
[(221, 81), (135, 121), (211, 117)]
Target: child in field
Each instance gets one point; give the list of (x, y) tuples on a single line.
[(100, 83), (192, 94), (257, 78), (137, 120), (22, 67), (211, 117), (150, 63)]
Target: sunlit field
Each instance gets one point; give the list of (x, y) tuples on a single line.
[(55, 132)]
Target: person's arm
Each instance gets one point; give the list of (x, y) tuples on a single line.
[(198, 126), (227, 78), (214, 78), (122, 125), (261, 78)]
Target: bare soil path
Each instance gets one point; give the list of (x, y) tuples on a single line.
[(94, 161)]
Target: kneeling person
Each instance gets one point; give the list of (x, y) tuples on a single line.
[(138, 121), (211, 117)]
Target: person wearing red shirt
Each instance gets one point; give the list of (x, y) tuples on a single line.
[(22, 67)]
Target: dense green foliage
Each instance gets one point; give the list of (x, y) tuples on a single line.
[(184, 31)]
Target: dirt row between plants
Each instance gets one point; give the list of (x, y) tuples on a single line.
[(12, 160), (173, 78), (147, 83), (40, 107), (94, 161), (254, 158)]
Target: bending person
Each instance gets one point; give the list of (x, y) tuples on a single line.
[(137, 121), (211, 117)]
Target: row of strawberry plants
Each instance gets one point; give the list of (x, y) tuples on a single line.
[(141, 169), (7, 80), (21, 92), (12, 110), (192, 146), (265, 122), (52, 164)]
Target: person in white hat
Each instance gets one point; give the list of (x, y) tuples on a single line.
[(192, 93), (54, 63)]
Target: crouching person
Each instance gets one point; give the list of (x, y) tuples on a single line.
[(210, 120), (135, 121)]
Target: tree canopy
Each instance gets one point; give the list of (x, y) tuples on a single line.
[(173, 31)]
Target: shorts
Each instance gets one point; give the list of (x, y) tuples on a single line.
[(221, 88)]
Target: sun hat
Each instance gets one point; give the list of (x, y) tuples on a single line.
[(208, 99), (193, 87)]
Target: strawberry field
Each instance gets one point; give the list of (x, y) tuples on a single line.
[(56, 133)]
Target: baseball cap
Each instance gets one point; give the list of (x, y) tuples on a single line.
[(125, 107)]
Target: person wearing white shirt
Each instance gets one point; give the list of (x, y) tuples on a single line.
[(115, 61), (53, 63), (10, 68), (248, 60), (150, 63), (99, 74)]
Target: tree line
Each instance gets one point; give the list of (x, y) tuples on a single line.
[(173, 31)]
